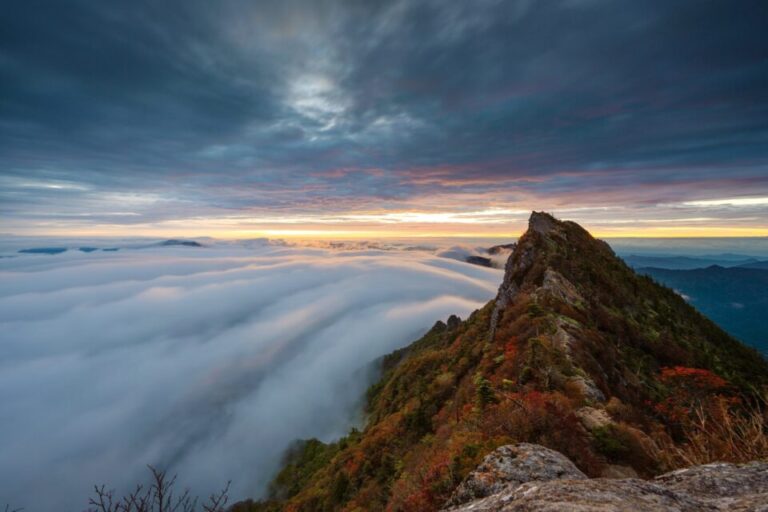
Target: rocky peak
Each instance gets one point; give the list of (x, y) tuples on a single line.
[(550, 243), (551, 255), (541, 222)]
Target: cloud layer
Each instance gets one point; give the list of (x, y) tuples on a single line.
[(272, 114), (208, 361)]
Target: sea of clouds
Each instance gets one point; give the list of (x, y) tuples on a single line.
[(206, 361)]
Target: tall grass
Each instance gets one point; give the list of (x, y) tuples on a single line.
[(718, 432)]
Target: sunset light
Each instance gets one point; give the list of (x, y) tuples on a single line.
[(383, 255)]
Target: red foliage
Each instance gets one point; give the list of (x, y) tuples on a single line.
[(692, 378), (428, 487), (690, 390), (510, 349)]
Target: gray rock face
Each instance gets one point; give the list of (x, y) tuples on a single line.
[(593, 418), (558, 286), (618, 471), (601, 495), (512, 466), (541, 222), (732, 486), (531, 478), (588, 388)]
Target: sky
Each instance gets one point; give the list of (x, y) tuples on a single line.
[(345, 119)]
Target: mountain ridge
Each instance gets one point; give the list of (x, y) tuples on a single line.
[(576, 353)]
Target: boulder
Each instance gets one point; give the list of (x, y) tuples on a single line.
[(593, 418), (720, 480), (597, 495), (531, 478), (512, 466)]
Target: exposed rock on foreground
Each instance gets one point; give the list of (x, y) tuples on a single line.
[(529, 477)]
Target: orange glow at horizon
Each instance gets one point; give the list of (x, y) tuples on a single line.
[(214, 228), (464, 215)]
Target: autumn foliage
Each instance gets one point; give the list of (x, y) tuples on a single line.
[(709, 420), (589, 359)]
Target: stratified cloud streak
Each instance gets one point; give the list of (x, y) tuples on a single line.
[(207, 361)]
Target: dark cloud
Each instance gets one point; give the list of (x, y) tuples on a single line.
[(330, 106)]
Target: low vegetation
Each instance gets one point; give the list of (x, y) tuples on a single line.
[(579, 354)]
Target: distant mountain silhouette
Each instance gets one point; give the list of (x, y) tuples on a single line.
[(686, 262), (181, 243), (736, 298), (755, 264), (44, 250)]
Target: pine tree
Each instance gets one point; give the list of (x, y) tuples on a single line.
[(484, 392)]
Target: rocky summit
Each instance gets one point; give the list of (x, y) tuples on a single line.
[(614, 374)]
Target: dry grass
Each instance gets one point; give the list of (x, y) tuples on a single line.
[(721, 433)]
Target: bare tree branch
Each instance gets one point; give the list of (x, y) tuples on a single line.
[(159, 496), (216, 502)]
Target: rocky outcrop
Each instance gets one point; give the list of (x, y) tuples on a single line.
[(501, 249), (593, 418), (556, 285), (529, 264), (731, 486), (541, 222), (480, 260), (512, 466), (531, 478)]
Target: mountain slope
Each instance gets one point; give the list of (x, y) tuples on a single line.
[(733, 297), (577, 353), (762, 265)]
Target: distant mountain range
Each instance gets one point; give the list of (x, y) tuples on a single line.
[(731, 289), (735, 298), (689, 263), (88, 249), (763, 265)]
